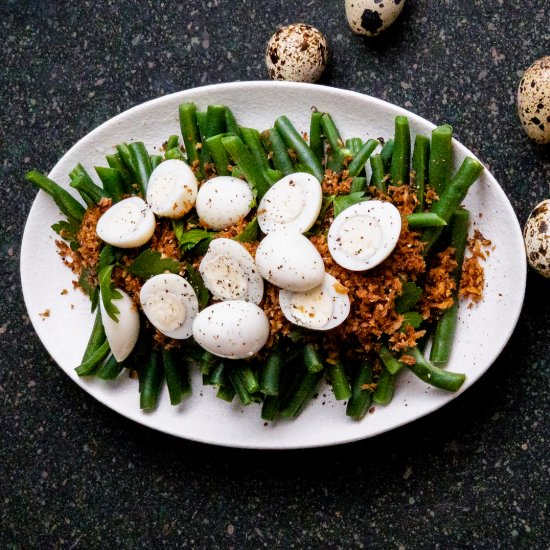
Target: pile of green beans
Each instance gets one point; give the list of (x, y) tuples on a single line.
[(286, 377)]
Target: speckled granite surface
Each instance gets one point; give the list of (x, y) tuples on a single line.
[(74, 474)]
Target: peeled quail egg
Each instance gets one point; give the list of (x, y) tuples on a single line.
[(371, 17), (234, 329), (229, 272), (223, 201), (364, 234), (170, 303), (296, 52), (289, 260), (534, 100), (537, 238), (294, 202), (324, 307), (127, 224), (122, 334), (172, 189)]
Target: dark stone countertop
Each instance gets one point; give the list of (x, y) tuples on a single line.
[(75, 474)]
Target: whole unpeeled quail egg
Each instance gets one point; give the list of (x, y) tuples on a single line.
[(537, 238), (371, 17), (296, 52), (534, 100)]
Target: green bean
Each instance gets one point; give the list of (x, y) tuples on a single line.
[(338, 380), (441, 158), (338, 158), (206, 361), (387, 153), (88, 366), (358, 163), (190, 133), (421, 220), (385, 387), (172, 141), (63, 199), (271, 373), (454, 194), (219, 154), (401, 156), (174, 153), (316, 142), (251, 138), (83, 184), (218, 374), (155, 161), (270, 408), (202, 123), (331, 133), (110, 370), (172, 375), (312, 360), (113, 182), (445, 380), (302, 394), (248, 378), (231, 123), (246, 162), (126, 158), (361, 398), (115, 161), (151, 379), (295, 141), (142, 163), (281, 158), (392, 364), (215, 120), (227, 393), (420, 164), (358, 184), (97, 337), (378, 173), (239, 386), (446, 326)]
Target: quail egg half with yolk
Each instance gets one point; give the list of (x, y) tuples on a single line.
[(229, 272), (364, 235), (294, 202), (170, 303)]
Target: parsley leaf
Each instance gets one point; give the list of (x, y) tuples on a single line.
[(191, 239), (250, 232), (408, 298), (68, 230), (109, 292), (341, 202), (150, 263), (195, 280), (412, 318)]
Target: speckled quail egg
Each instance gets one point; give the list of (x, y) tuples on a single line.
[(170, 303), (234, 329), (537, 238), (364, 235), (122, 334), (534, 100), (172, 189), (289, 260), (294, 202), (324, 307), (371, 17), (296, 52), (127, 224), (223, 201), (229, 272)]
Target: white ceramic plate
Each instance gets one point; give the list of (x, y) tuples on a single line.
[(482, 330)]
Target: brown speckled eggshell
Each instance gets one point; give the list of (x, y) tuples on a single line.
[(296, 52), (537, 238), (371, 17), (534, 100)]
